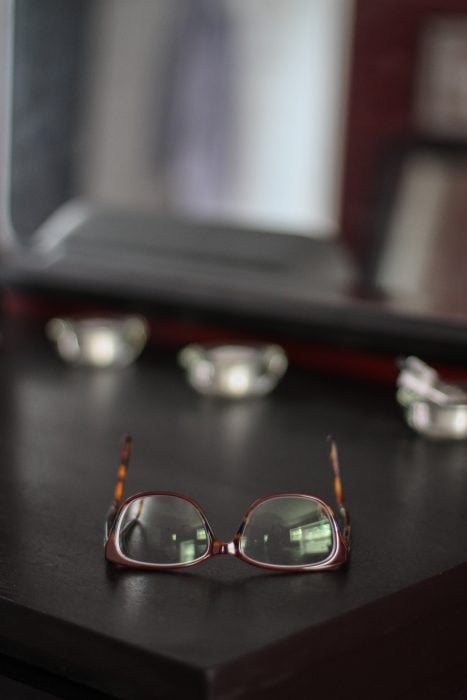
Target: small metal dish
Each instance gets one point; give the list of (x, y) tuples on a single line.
[(233, 371), (433, 408), (438, 422), (99, 342)]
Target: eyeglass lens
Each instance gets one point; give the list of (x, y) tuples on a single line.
[(284, 531), (163, 529), (288, 531)]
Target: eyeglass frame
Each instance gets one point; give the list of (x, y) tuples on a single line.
[(113, 553)]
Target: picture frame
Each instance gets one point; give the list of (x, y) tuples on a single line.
[(418, 259)]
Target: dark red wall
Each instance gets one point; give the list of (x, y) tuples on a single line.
[(386, 39)]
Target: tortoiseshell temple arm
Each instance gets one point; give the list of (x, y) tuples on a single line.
[(125, 454), (334, 460)]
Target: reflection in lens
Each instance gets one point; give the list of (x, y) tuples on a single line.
[(163, 530), (288, 531)]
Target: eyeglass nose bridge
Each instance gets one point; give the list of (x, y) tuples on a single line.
[(219, 547)]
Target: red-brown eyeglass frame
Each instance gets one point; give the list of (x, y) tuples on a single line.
[(341, 536)]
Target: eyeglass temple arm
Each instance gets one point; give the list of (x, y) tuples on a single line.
[(334, 460), (125, 454)]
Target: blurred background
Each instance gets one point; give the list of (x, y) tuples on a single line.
[(300, 155)]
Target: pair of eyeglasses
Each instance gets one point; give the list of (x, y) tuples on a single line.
[(161, 530)]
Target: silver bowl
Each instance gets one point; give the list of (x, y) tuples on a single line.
[(431, 406), (99, 342), (439, 422), (233, 371)]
